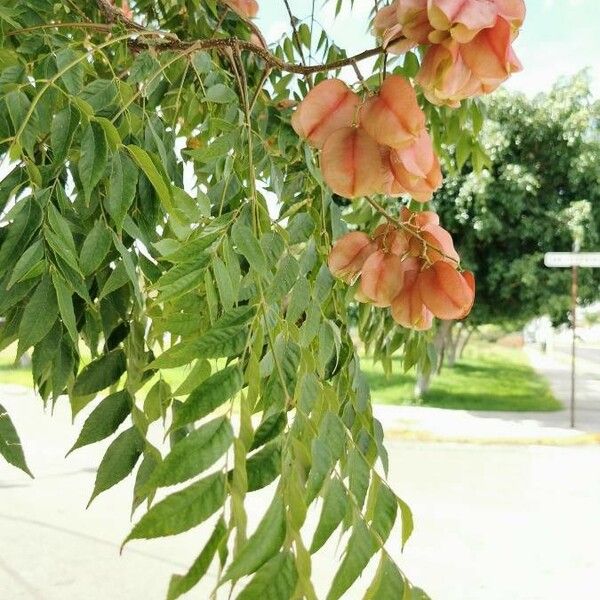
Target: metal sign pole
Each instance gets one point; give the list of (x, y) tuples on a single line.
[(574, 344), (574, 260)]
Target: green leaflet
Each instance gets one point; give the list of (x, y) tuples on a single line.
[(72, 78), (264, 543), (285, 277), (194, 453), (10, 444), (122, 187), (28, 260), (180, 584), (100, 373), (182, 510), (269, 429), (105, 419), (263, 467), (221, 94), (62, 131), (182, 279), (209, 395), (248, 245), (275, 580), (95, 248), (334, 510), (93, 158), (39, 316), (407, 521), (65, 306), (389, 583), (360, 549), (385, 508), (145, 163), (119, 460), (217, 343)]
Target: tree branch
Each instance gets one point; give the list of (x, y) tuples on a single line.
[(163, 43)]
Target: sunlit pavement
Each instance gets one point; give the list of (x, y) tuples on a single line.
[(492, 522)]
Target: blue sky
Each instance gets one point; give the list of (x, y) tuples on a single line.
[(560, 37)]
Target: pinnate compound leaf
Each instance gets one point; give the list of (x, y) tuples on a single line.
[(182, 510), (389, 583), (209, 395), (195, 453), (361, 547), (105, 419), (263, 544), (275, 580), (119, 460), (181, 584), (100, 373), (332, 514), (10, 444)]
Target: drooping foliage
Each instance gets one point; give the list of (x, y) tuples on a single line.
[(160, 211)]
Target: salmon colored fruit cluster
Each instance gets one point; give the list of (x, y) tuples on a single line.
[(412, 268), (379, 146), (470, 43), (245, 8)]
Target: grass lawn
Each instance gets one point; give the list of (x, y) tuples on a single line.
[(489, 377)]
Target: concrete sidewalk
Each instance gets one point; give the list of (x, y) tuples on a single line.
[(483, 427), (492, 522)]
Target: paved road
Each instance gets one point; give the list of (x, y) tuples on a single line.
[(587, 353), (492, 522)]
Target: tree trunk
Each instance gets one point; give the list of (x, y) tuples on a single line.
[(424, 379), (453, 345), (470, 332)]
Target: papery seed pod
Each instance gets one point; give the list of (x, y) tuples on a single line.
[(391, 187), (244, 8), (408, 309), (447, 293), (329, 106), (391, 239), (462, 19), (444, 76), (387, 27), (412, 16), (382, 278), (434, 243), (490, 56), (419, 219), (512, 10), (351, 163), (349, 254), (393, 117), (417, 168)]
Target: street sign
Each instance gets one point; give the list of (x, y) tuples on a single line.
[(572, 259)]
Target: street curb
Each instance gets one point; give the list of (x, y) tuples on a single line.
[(583, 439)]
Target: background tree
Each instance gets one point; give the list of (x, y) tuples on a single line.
[(159, 211), (539, 191)]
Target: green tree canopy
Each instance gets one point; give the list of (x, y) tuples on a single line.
[(539, 192)]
